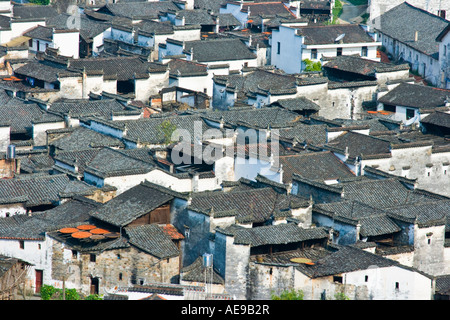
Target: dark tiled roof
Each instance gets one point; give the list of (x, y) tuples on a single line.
[(83, 107), (130, 205), (227, 19), (360, 144), (196, 17), (315, 166), (426, 213), (111, 163), (124, 68), (195, 272), (256, 205), (441, 119), (21, 115), (184, 68), (373, 221), (39, 189), (88, 28), (361, 66), (396, 23), (43, 70), (298, 104), (34, 227), (33, 11), (315, 134), (219, 50), (262, 118), (152, 239), (316, 35), (81, 138), (417, 96), (264, 9), (41, 33), (149, 10), (276, 234)]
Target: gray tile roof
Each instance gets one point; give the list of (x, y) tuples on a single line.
[(218, 50), (397, 24), (315, 166), (88, 28), (40, 189), (359, 144), (247, 205), (326, 34), (124, 68), (131, 205), (44, 70), (40, 33), (33, 227), (315, 134), (152, 239), (103, 108), (440, 119), (195, 272), (21, 115), (149, 10), (34, 12), (196, 17), (373, 221), (358, 65), (112, 163), (185, 68), (416, 96), (298, 104), (276, 234), (426, 213), (261, 118), (81, 138)]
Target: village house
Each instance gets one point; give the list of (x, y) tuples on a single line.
[(291, 45), (444, 57), (214, 52), (414, 43), (376, 8), (17, 18)]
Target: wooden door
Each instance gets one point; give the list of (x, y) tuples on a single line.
[(39, 279)]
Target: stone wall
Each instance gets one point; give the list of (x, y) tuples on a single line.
[(118, 267)]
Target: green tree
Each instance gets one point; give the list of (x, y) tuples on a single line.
[(341, 296), (312, 65), (41, 2), (167, 128), (289, 295)]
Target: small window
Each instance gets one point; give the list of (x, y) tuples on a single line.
[(141, 282), (397, 286), (442, 13), (364, 52), (120, 276), (118, 256), (409, 114), (74, 254), (278, 47), (39, 246), (314, 54), (429, 241), (8, 214), (92, 257), (22, 244), (339, 52), (366, 278), (337, 279)]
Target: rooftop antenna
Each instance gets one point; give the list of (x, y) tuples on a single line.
[(208, 265), (340, 37)]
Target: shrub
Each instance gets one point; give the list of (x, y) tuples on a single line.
[(289, 295)]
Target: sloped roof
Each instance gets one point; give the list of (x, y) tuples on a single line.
[(218, 50), (111, 163), (35, 12), (315, 166), (34, 227), (84, 107), (416, 96), (130, 205), (361, 66), (135, 10), (397, 24), (185, 68), (275, 234), (327, 34), (359, 144), (441, 119), (88, 28), (81, 138), (152, 239)]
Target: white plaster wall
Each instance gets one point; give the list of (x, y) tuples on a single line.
[(39, 131), (68, 43)]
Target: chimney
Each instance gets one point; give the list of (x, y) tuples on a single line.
[(416, 36)]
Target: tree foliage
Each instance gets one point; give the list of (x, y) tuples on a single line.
[(312, 65), (289, 295)]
